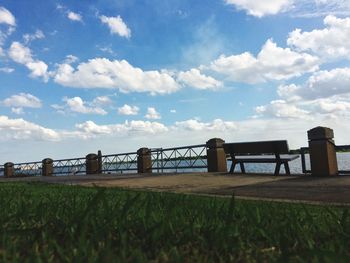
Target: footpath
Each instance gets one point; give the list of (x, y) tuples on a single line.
[(301, 188)]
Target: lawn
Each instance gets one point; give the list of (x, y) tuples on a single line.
[(57, 223)]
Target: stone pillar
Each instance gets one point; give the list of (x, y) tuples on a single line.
[(99, 158), (323, 157), (216, 156), (47, 167), (144, 160), (91, 163), (9, 169)]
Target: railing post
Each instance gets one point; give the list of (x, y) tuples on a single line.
[(144, 160), (216, 156), (91, 163), (323, 157), (47, 167), (9, 169)]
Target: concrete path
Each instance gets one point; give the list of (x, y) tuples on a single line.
[(333, 190)]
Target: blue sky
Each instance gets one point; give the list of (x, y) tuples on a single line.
[(117, 75)]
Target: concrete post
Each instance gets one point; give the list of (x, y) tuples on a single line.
[(47, 167), (91, 163), (144, 160), (99, 158), (216, 156), (9, 169), (322, 152)]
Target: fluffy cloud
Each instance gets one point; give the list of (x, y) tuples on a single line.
[(215, 125), (330, 42), (74, 16), (152, 114), (116, 26), (30, 37), (23, 55), (103, 73), (128, 110), (322, 84), (282, 109), (77, 105), (22, 100), (6, 69), (272, 63), (102, 101), (6, 17), (195, 79), (91, 129), (262, 8), (21, 129)]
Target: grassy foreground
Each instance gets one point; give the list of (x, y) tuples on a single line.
[(55, 223)]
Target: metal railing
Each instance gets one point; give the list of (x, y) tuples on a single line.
[(69, 166), (28, 169), (305, 150), (186, 158), (119, 163)]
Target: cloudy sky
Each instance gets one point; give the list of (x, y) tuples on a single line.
[(116, 75)]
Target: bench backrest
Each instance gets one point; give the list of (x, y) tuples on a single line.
[(262, 147)]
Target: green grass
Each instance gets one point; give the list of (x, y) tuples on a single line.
[(56, 223)]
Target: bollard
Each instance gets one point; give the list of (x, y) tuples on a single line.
[(144, 160), (9, 169), (91, 163), (216, 156), (47, 167), (323, 157)]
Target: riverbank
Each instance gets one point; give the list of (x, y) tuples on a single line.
[(330, 190)]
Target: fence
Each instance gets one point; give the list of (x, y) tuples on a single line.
[(119, 163)]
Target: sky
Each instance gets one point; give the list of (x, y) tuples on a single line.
[(118, 75)]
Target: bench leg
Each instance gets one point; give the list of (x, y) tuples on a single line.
[(242, 168), (277, 169), (233, 165), (286, 167)]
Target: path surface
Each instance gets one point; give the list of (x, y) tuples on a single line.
[(295, 188)]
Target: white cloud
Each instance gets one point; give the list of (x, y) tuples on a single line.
[(6, 69), (215, 125), (116, 26), (17, 110), (6, 17), (282, 109), (152, 114), (195, 79), (331, 42), (74, 16), (322, 84), (76, 104), (272, 63), (23, 55), (262, 8), (22, 100), (172, 111), (91, 129), (128, 110), (20, 129), (103, 73), (102, 101), (70, 59), (30, 37)]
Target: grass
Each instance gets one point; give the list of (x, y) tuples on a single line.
[(56, 223)]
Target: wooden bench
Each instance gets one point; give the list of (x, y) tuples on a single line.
[(250, 152)]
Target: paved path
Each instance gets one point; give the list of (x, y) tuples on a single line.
[(298, 188)]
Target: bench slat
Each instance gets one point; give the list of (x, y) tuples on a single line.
[(261, 147)]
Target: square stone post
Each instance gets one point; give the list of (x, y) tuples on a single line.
[(144, 160), (99, 157), (9, 169), (216, 156), (323, 156), (91, 163), (47, 167)]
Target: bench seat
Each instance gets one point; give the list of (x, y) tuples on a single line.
[(250, 152)]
